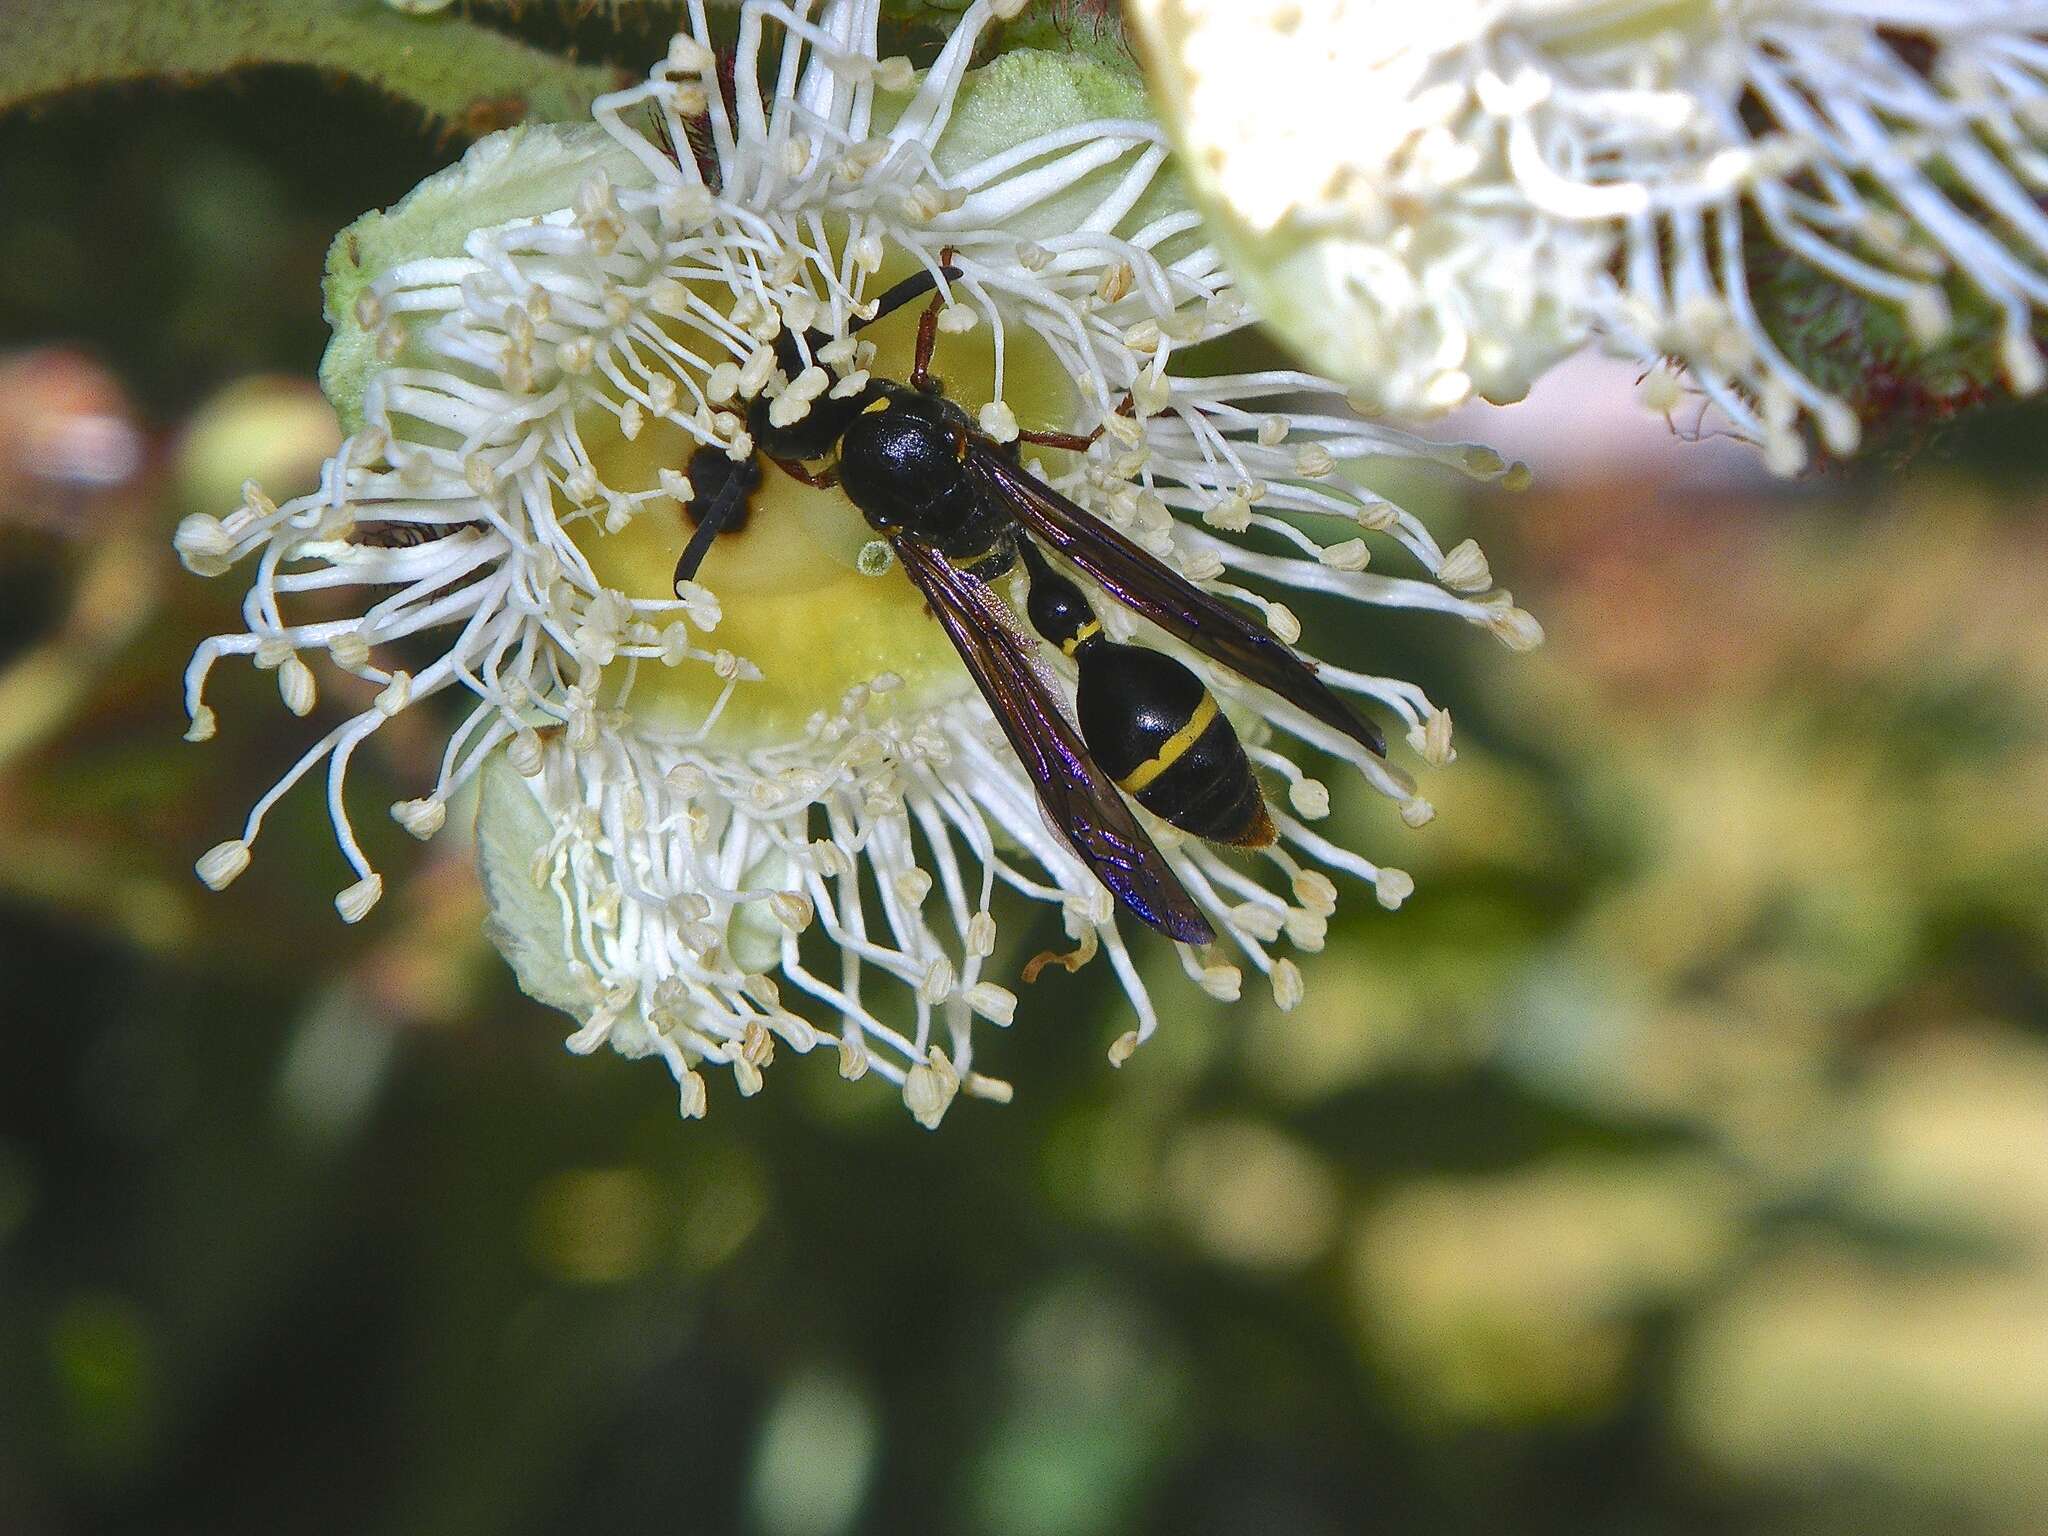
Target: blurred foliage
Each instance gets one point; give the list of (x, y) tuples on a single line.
[(1675, 1161)]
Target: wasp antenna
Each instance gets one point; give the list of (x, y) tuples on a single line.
[(727, 486), (912, 287)]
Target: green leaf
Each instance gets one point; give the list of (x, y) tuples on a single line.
[(460, 74)]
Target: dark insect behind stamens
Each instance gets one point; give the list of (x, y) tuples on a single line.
[(697, 132), (659, 119), (1918, 51), (702, 147), (702, 144), (387, 535)]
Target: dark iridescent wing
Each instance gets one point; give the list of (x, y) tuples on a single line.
[(1077, 795), (1145, 586)]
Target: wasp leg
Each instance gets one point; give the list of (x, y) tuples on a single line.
[(1073, 442), (928, 333), (818, 479)]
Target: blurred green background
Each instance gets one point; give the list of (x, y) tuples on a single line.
[(1675, 1161)]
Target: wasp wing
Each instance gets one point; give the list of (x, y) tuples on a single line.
[(1145, 586), (1077, 795)]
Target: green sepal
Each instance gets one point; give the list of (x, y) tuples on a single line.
[(526, 922), (521, 173)]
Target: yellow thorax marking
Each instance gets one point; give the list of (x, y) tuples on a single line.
[(1082, 636), (1173, 750), (879, 403)]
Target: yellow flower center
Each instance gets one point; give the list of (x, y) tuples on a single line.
[(794, 602)]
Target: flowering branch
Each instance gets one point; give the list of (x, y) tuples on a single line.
[(1826, 216), (462, 75), (755, 804)]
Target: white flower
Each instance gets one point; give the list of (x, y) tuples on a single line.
[(1496, 178), (769, 805)]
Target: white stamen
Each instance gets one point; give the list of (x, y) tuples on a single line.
[(354, 903), (220, 864)]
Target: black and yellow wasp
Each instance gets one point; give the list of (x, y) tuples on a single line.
[(959, 510)]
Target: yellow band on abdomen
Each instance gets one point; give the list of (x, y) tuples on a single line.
[(1173, 750)]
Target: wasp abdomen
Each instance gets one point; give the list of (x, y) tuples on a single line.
[(1157, 731)]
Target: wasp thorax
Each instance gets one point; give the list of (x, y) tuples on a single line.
[(900, 462), (792, 571)]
